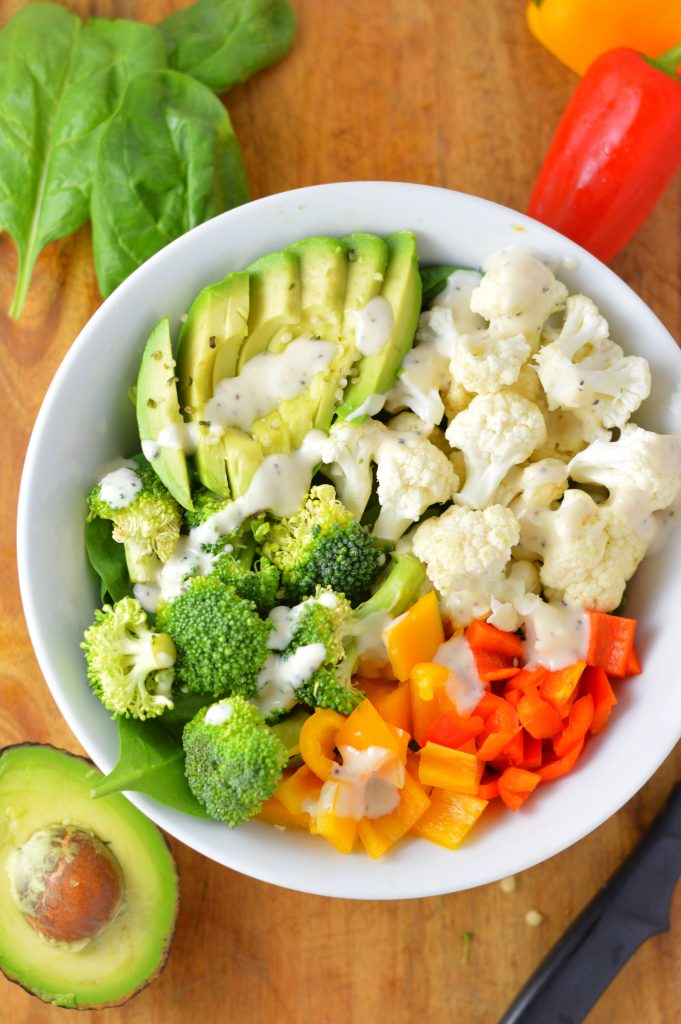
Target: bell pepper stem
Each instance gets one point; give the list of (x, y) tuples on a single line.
[(667, 62)]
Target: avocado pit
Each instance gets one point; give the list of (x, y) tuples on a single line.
[(67, 883)]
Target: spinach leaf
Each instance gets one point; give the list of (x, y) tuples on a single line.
[(107, 558), (222, 42), (433, 280), (150, 761), (60, 82), (167, 161), (187, 705)]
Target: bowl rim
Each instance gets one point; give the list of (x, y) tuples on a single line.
[(174, 822)]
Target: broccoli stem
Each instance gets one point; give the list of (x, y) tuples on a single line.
[(398, 591)]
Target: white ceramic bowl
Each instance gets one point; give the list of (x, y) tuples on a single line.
[(87, 419)]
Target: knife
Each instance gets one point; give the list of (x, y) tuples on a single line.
[(631, 906)]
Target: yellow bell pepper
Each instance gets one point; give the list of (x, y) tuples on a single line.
[(274, 813), (429, 698), (578, 31), (414, 636), (365, 728), (379, 834), (402, 738), (318, 740), (301, 786), (340, 832), (450, 769), (393, 704), (449, 818)]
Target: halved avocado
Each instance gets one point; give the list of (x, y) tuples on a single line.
[(44, 790), (207, 351), (157, 407), (375, 374)]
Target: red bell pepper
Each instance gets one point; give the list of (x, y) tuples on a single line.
[(451, 730), (611, 643), (616, 148)]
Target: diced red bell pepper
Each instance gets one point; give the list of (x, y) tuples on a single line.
[(489, 790), (633, 665), (578, 725), (537, 716), (596, 683), (532, 752), (611, 642), (486, 637), (529, 678), (452, 730), (559, 688), (561, 765), (515, 785)]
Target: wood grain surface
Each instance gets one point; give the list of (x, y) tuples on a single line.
[(446, 92)]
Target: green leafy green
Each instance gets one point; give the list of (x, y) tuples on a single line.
[(150, 761), (107, 558), (433, 280), (61, 82), (167, 161), (223, 42)]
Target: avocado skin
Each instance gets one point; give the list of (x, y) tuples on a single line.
[(158, 407), (67, 999), (402, 289)]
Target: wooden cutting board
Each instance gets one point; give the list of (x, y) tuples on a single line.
[(445, 92)]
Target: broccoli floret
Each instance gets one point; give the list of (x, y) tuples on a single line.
[(130, 667), (329, 620), (148, 527), (221, 640), (259, 585), (322, 545), (233, 760), (206, 504)]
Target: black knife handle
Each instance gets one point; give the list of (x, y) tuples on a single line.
[(630, 907)]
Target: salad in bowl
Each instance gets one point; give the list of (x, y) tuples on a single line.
[(364, 571)]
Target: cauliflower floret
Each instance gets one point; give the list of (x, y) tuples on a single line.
[(412, 473), (347, 454), (588, 552), (585, 371), (522, 577), (456, 398), (538, 484), (485, 362), (517, 294), (641, 470), (465, 552), (424, 374), (494, 433)]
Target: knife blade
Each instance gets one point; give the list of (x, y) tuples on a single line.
[(632, 906)]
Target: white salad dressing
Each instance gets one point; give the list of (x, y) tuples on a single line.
[(517, 293), (267, 380), (181, 437), (556, 635), (366, 785), (218, 714), (371, 650), (374, 324), (280, 677), (148, 595), (150, 450), (280, 485), (286, 619), (464, 687), (371, 406), (456, 296), (120, 486)]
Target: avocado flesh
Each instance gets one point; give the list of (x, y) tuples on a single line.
[(376, 373), (39, 786), (323, 274), (157, 407), (274, 302), (367, 262), (208, 350)]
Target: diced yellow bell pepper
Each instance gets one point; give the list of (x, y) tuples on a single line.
[(393, 704), (379, 834), (402, 738), (429, 700), (301, 786), (449, 818), (318, 740), (274, 813), (414, 636), (450, 769), (340, 832), (365, 728)]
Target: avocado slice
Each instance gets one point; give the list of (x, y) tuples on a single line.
[(274, 291), (44, 789), (367, 261), (157, 407), (208, 350), (323, 274), (376, 373)]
